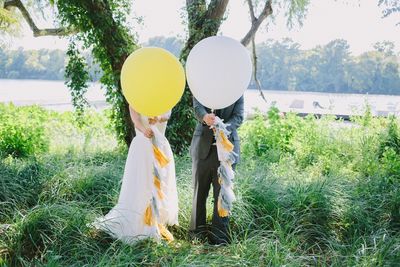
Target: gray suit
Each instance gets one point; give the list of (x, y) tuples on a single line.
[(205, 164)]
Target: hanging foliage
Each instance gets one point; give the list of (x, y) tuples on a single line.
[(102, 28), (78, 75)]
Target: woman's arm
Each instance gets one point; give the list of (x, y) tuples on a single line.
[(138, 124), (165, 117)]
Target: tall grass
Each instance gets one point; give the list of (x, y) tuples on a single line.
[(309, 193)]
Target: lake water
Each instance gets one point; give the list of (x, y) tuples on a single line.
[(55, 95)]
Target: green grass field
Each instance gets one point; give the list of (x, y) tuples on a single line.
[(309, 193)]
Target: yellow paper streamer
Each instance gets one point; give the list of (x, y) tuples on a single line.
[(221, 211), (160, 157), (148, 216), (225, 142), (165, 233)]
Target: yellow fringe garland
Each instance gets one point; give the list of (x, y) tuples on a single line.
[(149, 218), (160, 157), (225, 142)]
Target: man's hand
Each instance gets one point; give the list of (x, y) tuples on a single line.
[(209, 119)]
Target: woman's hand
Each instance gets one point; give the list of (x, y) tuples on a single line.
[(148, 132), (153, 120)]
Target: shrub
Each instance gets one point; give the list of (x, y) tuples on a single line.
[(22, 131), (271, 136)]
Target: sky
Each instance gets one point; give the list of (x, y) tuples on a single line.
[(359, 22)]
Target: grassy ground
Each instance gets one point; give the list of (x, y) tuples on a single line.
[(309, 194)]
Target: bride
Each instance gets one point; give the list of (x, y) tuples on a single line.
[(148, 199)]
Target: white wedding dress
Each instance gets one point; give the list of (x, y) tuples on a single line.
[(126, 220)]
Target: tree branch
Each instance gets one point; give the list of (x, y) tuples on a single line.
[(8, 4), (256, 22), (251, 9)]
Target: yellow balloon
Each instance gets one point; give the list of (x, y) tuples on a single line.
[(152, 80)]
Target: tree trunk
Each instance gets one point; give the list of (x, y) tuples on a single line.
[(204, 21)]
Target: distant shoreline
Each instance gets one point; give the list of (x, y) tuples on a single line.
[(255, 89)]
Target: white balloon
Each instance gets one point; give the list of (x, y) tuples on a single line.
[(218, 71)]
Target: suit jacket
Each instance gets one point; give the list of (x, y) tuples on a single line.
[(203, 136)]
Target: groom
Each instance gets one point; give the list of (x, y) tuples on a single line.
[(205, 164)]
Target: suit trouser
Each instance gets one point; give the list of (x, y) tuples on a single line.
[(205, 174)]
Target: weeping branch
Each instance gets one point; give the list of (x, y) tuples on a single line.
[(8, 4), (258, 83), (250, 37)]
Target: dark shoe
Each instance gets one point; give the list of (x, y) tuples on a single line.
[(219, 236), (200, 234), (220, 239)]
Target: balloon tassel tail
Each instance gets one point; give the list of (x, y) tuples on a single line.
[(226, 143), (160, 157)]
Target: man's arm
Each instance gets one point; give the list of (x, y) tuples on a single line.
[(237, 115)]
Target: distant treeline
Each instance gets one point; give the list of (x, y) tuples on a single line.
[(44, 64), (330, 68), (282, 65)]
